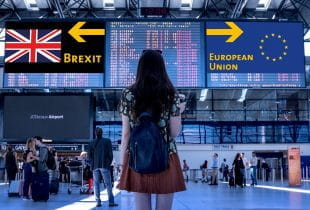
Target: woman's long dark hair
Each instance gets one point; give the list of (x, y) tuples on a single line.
[(153, 89), (237, 156)]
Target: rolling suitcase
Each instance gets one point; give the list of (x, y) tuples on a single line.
[(16, 186), (54, 182), (14, 189), (40, 187), (54, 186), (231, 181)]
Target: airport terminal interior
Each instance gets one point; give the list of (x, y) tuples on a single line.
[(241, 66)]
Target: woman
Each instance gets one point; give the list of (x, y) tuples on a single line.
[(29, 166), (10, 164), (238, 167), (152, 92), (64, 171), (185, 170), (204, 168)]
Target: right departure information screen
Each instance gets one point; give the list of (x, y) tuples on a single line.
[(181, 44), (255, 54)]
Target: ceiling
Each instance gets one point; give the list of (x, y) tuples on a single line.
[(277, 9)]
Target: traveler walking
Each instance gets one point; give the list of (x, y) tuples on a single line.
[(238, 167), (40, 182), (2, 165), (29, 167), (185, 170), (153, 102), (253, 163), (10, 164), (224, 169), (246, 169), (215, 164), (204, 168), (53, 171), (101, 156), (63, 170), (266, 170)]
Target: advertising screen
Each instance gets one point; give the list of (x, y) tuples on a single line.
[(52, 117)]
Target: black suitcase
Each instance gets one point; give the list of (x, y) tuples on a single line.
[(54, 186), (231, 181), (40, 187)]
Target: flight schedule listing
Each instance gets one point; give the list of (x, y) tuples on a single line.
[(53, 80), (181, 43), (254, 54)]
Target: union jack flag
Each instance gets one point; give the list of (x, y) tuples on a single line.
[(33, 46)]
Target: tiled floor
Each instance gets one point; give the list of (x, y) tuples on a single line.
[(198, 196)]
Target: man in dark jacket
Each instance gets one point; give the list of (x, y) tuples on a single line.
[(42, 156), (101, 156)]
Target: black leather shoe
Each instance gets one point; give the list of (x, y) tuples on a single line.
[(113, 204), (98, 205)]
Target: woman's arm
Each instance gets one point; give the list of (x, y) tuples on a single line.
[(234, 163), (175, 122), (30, 157), (125, 137)]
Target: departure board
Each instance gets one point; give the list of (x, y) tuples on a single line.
[(53, 80), (255, 54), (181, 42), (54, 54)]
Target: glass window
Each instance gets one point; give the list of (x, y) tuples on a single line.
[(307, 48)]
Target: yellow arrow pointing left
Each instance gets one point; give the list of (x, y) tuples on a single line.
[(233, 32), (76, 32)]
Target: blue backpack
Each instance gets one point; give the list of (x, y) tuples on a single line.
[(148, 149)]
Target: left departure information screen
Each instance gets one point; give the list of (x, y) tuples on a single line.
[(53, 80), (55, 54), (181, 44)]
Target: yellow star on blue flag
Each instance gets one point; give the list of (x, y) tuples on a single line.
[(268, 49)]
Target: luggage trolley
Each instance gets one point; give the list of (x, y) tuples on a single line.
[(198, 175), (76, 177)]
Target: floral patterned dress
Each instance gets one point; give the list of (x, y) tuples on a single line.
[(169, 181)]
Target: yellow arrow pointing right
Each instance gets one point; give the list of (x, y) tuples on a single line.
[(234, 31), (76, 31)]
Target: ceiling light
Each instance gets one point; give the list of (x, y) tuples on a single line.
[(31, 5), (108, 4), (263, 5), (186, 5)]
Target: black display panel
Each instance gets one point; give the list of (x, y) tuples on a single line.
[(56, 117), (181, 42)]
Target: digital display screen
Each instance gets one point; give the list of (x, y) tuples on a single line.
[(181, 43), (197, 54), (53, 80), (54, 54), (52, 117), (254, 54)]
